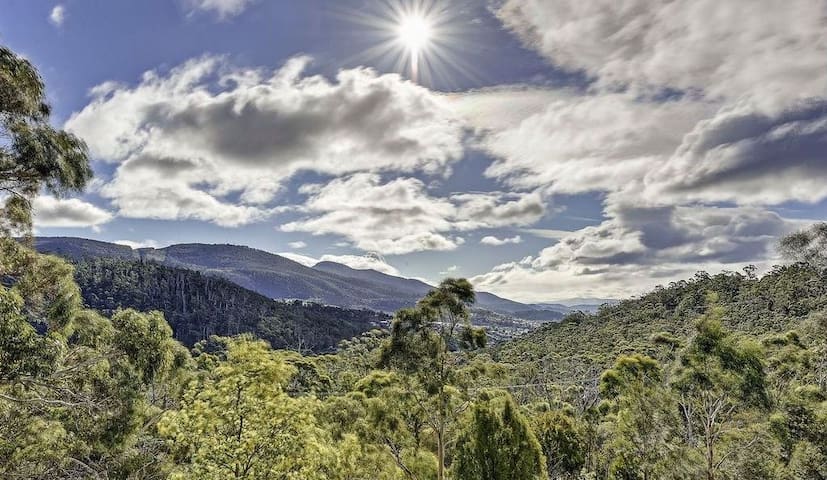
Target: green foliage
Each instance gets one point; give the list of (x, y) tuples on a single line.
[(642, 426), (497, 443), (74, 387), (563, 441), (235, 420), (33, 155), (422, 344), (657, 324), (198, 306)]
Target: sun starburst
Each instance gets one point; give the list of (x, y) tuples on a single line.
[(420, 38)]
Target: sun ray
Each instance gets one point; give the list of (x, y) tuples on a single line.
[(422, 39)]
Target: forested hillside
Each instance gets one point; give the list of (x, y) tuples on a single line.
[(198, 306), (582, 344)]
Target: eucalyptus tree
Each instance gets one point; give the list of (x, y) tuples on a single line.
[(642, 422), (236, 421), (721, 382), (426, 342), (33, 154)]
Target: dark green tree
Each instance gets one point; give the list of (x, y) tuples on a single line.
[(563, 441), (33, 154), (497, 443)]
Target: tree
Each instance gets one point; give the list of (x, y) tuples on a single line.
[(642, 423), (423, 343), (396, 420), (237, 422), (33, 155), (497, 443), (722, 387), (75, 387), (562, 440)]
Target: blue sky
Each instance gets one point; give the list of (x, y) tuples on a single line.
[(547, 149)]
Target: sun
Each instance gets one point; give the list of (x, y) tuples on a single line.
[(415, 32), (424, 39)]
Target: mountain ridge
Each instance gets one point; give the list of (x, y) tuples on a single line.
[(274, 276)]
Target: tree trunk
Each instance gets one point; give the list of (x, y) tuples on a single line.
[(440, 452)]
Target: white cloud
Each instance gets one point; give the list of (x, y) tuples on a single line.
[(224, 9), (749, 127), (393, 218), (494, 241), (693, 104), (747, 155), (305, 260), (135, 245), (450, 270), (67, 213), (297, 245), (638, 248), (184, 148), (400, 216), (497, 209), (363, 262), (594, 142), (58, 15), (770, 49), (484, 109), (549, 233)]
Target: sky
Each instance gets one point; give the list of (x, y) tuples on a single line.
[(545, 149)]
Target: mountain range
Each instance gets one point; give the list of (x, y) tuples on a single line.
[(277, 277)]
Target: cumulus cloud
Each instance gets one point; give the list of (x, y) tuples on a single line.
[(297, 245), (691, 105), (639, 247), (58, 15), (189, 141), (393, 218), (721, 49), (497, 209), (746, 155), (371, 261), (224, 9), (496, 242), (400, 216), (594, 142), (750, 105), (67, 213)]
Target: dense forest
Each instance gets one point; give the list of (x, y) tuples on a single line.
[(719, 377), (198, 306)]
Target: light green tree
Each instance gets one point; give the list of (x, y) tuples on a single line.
[(236, 421)]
